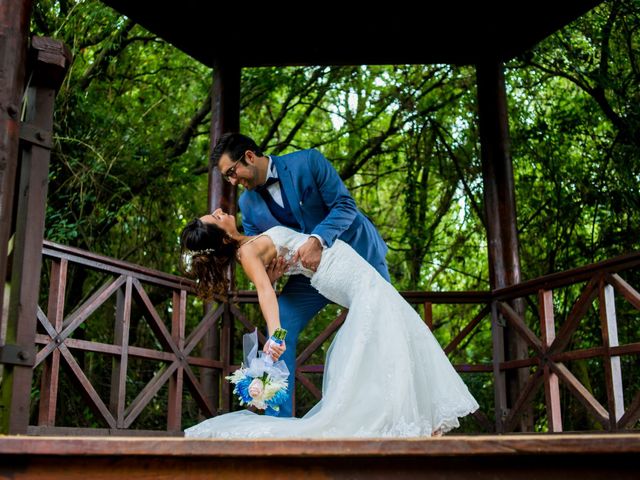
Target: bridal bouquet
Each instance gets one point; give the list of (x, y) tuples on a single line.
[(259, 381)]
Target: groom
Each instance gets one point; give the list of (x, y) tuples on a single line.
[(303, 191)]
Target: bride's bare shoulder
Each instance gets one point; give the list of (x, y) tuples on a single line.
[(260, 246)]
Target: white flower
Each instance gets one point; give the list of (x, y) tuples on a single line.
[(256, 389), (273, 386)]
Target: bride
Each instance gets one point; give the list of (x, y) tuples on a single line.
[(385, 373)]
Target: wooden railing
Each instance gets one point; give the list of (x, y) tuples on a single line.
[(178, 364), (549, 350)]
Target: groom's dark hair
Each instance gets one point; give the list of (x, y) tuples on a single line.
[(234, 144)]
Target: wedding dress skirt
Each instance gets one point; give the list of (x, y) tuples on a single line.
[(385, 373)]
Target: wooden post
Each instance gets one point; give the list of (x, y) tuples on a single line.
[(120, 364), (50, 62), (500, 213), (14, 30), (51, 366), (176, 383), (551, 384), (612, 368), (225, 117), (428, 314)]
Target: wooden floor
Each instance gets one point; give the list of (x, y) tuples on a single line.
[(562, 456)]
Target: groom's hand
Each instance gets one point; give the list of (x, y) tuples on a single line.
[(309, 254), (276, 269)]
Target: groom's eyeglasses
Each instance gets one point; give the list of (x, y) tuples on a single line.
[(231, 171)]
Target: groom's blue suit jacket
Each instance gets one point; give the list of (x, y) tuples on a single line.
[(321, 204)]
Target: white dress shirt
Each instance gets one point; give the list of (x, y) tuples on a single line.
[(276, 193)]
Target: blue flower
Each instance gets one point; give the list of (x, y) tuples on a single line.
[(242, 390)]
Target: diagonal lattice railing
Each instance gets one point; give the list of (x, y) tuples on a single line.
[(550, 350), (177, 347)]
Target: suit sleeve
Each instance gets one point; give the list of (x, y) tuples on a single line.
[(342, 208)]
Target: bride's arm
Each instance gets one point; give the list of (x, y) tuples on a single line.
[(255, 270)]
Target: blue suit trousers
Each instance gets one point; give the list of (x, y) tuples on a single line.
[(299, 302)]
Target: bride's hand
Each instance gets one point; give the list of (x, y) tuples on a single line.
[(309, 254), (273, 349)]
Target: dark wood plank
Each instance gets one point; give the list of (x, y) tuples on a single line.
[(581, 393), (51, 368), (208, 322), (320, 339), (226, 336), (199, 395), (120, 363), (525, 397), (467, 329), (156, 324), (579, 309), (632, 415), (499, 379), (518, 323), (148, 392), (86, 388), (178, 321), (308, 384), (428, 314), (456, 446)]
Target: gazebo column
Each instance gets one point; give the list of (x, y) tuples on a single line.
[(225, 117), (49, 61), (14, 31), (502, 233)]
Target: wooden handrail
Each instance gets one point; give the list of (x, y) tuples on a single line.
[(101, 262), (567, 277)]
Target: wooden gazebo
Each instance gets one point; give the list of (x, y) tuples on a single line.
[(474, 34)]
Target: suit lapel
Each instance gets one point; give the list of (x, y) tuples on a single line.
[(260, 210), (288, 188)]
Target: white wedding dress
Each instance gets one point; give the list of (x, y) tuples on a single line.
[(385, 373)]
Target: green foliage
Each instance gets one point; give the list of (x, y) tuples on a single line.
[(130, 164)]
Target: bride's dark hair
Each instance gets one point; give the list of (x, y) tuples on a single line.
[(206, 252)]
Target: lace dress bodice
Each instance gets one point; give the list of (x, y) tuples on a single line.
[(342, 274), (287, 242)]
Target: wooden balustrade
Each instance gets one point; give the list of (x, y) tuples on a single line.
[(178, 364)]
